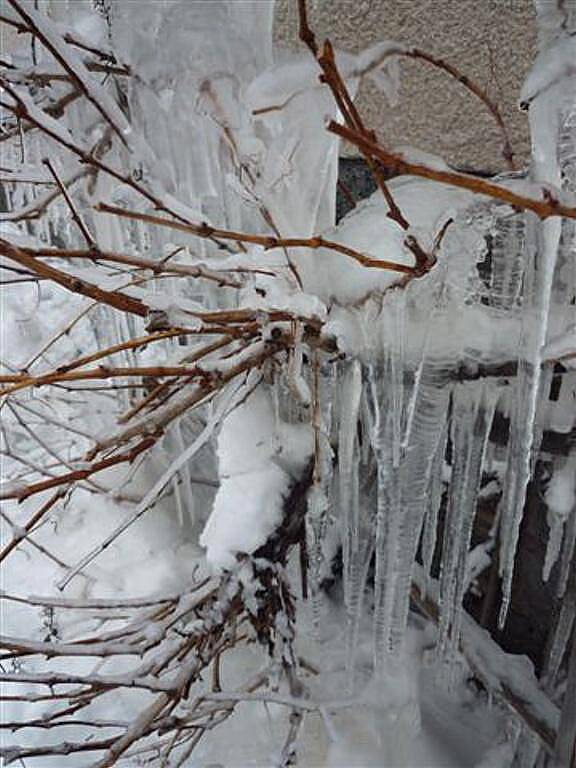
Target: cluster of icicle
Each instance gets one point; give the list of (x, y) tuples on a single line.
[(406, 417), (413, 429)]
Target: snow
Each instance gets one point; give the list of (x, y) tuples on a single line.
[(562, 348), (337, 279), (259, 458)]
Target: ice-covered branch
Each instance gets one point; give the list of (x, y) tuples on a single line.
[(73, 283), (47, 32), (266, 241)]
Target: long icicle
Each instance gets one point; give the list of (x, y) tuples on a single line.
[(472, 414), (542, 246)]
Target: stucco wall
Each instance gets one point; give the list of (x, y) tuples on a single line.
[(492, 41)]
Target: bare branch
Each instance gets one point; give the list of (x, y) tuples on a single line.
[(36, 208), (72, 283), (544, 207), (475, 89)]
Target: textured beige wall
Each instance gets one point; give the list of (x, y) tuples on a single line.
[(492, 41)]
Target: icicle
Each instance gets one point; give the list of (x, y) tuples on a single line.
[(358, 540), (387, 511), (507, 261), (351, 392), (560, 500), (387, 394), (316, 511), (397, 365), (560, 639), (318, 507), (295, 378), (435, 493), (472, 413), (175, 483), (528, 750), (429, 415), (188, 517), (537, 299), (568, 553), (542, 241)]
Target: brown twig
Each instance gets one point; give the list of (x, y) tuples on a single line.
[(23, 531), (80, 82), (72, 283), (162, 389), (475, 89), (202, 392), (266, 241), (37, 207), (75, 215), (544, 207), (70, 477), (331, 76), (157, 267), (102, 372), (21, 111), (72, 39), (55, 109), (304, 31)]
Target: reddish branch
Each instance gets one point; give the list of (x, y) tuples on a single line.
[(331, 76), (55, 109), (266, 241), (23, 531), (20, 110), (150, 429), (37, 207), (72, 283), (79, 82), (71, 38), (143, 341), (75, 476), (474, 88), (102, 372), (75, 215), (544, 207), (156, 267)]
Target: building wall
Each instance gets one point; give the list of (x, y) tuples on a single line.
[(491, 41)]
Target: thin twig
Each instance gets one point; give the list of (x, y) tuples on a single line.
[(475, 89), (266, 241), (75, 215), (72, 283)]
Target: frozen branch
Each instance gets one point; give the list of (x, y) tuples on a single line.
[(48, 34), (266, 241)]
